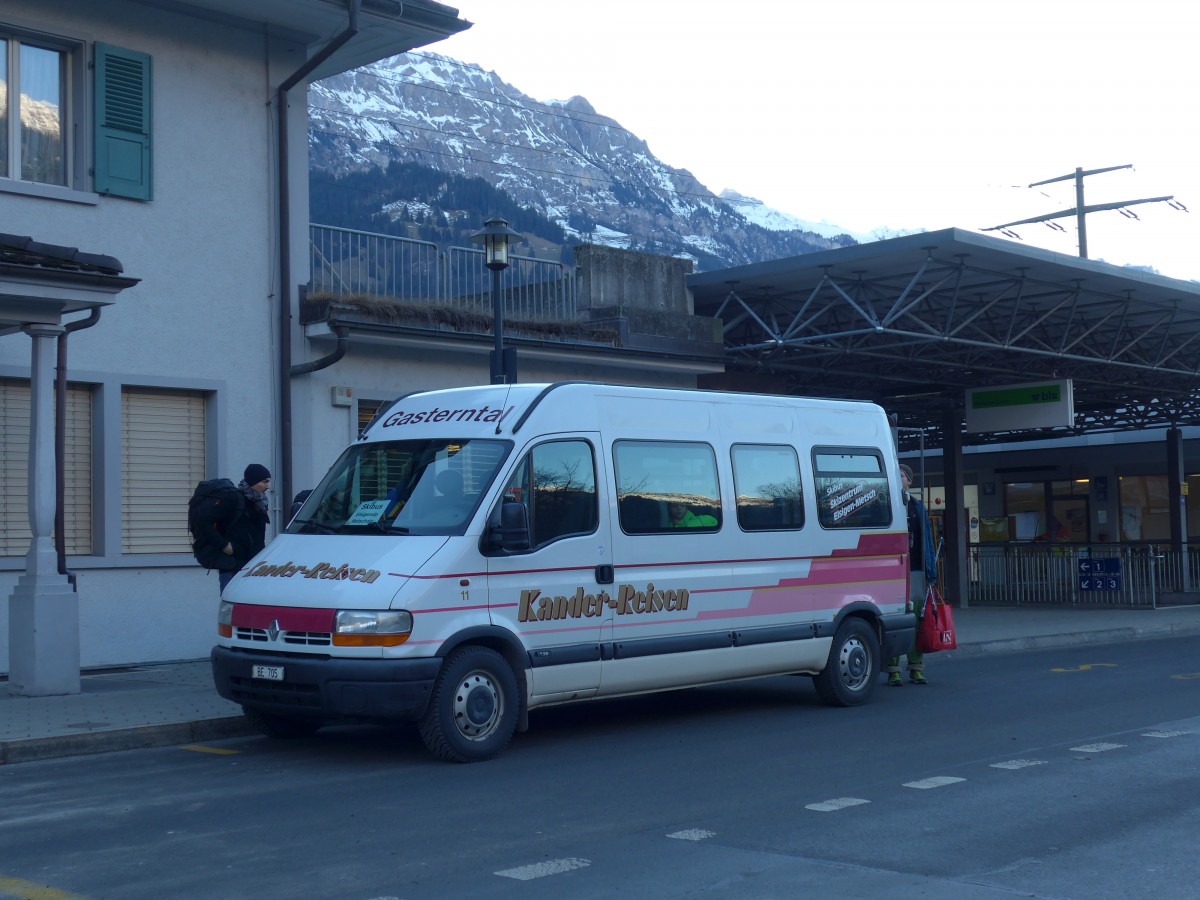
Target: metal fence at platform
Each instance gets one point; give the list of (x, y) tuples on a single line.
[(346, 262), (1106, 575)]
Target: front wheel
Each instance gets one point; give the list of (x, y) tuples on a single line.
[(473, 711), (853, 667)]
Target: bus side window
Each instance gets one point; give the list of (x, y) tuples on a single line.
[(667, 487), (767, 483), (564, 491), (557, 483)]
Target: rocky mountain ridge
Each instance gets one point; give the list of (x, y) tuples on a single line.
[(589, 179)]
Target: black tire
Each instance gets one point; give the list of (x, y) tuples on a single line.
[(281, 727), (474, 707), (849, 676)]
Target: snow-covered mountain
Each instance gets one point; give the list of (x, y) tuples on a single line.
[(758, 213), (590, 179)]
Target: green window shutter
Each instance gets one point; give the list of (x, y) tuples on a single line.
[(123, 157)]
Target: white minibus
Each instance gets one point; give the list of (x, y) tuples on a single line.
[(483, 552)]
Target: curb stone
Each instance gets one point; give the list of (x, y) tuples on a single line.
[(1050, 641), (140, 738)]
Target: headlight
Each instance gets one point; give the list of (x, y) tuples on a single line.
[(225, 619), (371, 628)]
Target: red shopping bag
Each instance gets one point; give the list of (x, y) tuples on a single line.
[(935, 631)]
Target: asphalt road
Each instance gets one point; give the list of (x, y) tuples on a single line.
[(1060, 774)]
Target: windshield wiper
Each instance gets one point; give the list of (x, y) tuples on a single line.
[(389, 529)]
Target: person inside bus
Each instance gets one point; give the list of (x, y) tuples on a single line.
[(922, 564), (682, 517)]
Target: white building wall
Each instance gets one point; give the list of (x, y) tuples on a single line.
[(204, 315)]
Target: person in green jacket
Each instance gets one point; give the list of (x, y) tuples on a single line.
[(682, 517)]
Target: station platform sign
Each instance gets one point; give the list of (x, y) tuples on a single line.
[(1100, 574)]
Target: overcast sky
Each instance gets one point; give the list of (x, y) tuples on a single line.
[(877, 114)]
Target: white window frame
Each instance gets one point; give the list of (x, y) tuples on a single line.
[(75, 118)]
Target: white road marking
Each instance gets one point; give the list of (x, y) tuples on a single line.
[(1165, 734), (692, 834), (1097, 748), (936, 782), (834, 805), (1019, 763), (542, 869)]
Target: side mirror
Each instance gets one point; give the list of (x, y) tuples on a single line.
[(514, 527)]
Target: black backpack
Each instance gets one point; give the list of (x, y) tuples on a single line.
[(214, 502)]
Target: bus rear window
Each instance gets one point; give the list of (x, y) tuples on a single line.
[(852, 488)]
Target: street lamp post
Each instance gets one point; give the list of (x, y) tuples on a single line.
[(495, 237)]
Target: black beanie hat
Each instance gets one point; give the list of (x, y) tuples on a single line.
[(255, 473)]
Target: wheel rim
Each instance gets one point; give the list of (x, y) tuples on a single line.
[(854, 664), (478, 706)]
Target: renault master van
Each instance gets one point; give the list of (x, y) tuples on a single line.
[(483, 552)]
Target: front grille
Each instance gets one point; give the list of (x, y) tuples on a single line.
[(308, 638), (304, 638)]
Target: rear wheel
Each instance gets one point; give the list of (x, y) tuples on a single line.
[(853, 667), (473, 711), (282, 727)]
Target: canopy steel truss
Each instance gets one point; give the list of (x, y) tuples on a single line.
[(912, 322)]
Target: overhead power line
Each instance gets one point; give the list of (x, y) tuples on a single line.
[(1080, 210)]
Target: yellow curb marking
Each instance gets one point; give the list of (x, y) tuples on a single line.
[(27, 890), (1087, 667), (218, 751)]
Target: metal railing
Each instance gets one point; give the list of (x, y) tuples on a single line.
[(1124, 575), (346, 262)]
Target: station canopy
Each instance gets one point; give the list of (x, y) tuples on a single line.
[(912, 322)]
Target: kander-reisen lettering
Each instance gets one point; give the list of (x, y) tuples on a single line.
[(323, 570), (581, 605)]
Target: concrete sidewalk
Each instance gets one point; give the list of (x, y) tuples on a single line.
[(175, 703)]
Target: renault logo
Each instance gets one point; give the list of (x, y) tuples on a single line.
[(273, 630)]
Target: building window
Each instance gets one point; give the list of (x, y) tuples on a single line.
[(162, 460), (767, 481), (1145, 505), (43, 129), (1053, 511), (33, 111), (368, 410), (14, 470)]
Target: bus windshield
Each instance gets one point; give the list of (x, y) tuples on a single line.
[(402, 487)]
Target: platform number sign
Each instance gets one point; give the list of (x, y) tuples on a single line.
[(1100, 574)]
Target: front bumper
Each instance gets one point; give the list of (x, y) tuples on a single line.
[(327, 689)]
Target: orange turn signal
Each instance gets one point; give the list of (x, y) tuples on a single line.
[(369, 640)]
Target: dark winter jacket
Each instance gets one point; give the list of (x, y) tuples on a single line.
[(248, 532), (922, 553)]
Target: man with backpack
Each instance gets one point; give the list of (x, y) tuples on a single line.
[(228, 523)]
